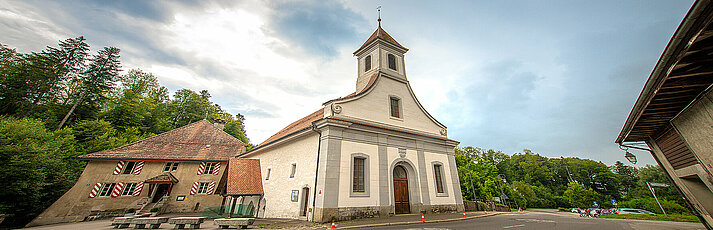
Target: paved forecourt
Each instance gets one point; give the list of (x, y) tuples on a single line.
[(550, 220)]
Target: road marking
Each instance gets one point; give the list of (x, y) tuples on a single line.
[(515, 226), (536, 220)]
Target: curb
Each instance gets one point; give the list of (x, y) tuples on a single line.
[(419, 222)]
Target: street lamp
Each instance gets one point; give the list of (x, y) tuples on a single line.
[(472, 186), (630, 157)]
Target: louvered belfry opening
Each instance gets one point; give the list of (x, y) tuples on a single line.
[(675, 149)]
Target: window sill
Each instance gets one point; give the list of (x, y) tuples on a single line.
[(443, 194), (358, 194), (396, 118)]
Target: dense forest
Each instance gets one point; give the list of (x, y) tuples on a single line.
[(63, 101), (529, 180)]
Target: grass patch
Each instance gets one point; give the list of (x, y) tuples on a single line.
[(672, 217)]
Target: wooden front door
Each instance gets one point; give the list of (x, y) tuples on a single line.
[(161, 190), (305, 201), (401, 190)]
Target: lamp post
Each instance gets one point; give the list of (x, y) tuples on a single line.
[(472, 186), (502, 193), (653, 193)]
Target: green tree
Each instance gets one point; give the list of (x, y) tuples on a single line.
[(97, 80), (236, 129), (579, 196), (38, 167)]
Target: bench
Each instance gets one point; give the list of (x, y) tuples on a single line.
[(181, 222), (122, 222), (153, 222), (234, 222)]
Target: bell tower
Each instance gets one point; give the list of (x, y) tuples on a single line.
[(381, 53)]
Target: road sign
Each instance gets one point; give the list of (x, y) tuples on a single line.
[(595, 203), (658, 184), (613, 202)]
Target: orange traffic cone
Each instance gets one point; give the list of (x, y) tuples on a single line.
[(486, 212), (422, 218), (333, 225), (464, 214)]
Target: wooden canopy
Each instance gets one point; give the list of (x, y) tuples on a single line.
[(683, 72)]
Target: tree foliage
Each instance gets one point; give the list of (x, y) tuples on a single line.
[(531, 180), (62, 102)]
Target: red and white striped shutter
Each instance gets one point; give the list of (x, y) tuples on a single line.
[(201, 168), (137, 190), (117, 189), (138, 167), (118, 168), (194, 189), (216, 169), (95, 190), (211, 188)]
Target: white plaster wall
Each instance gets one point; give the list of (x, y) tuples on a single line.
[(278, 188), (447, 178), (364, 76), (375, 107), (345, 183)]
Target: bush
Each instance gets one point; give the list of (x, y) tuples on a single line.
[(649, 204), (561, 209), (154, 210), (131, 210)]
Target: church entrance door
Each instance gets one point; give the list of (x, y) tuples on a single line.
[(401, 190)]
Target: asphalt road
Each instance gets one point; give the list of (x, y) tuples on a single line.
[(549, 220)]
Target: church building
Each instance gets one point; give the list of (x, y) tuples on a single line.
[(374, 152)]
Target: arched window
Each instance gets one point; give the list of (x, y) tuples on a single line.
[(392, 61), (367, 63)]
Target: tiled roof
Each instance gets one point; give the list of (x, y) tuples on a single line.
[(166, 177), (380, 33), (244, 177), (199, 141), (306, 121), (372, 79), (295, 126)]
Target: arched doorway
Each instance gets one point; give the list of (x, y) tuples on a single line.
[(401, 196)]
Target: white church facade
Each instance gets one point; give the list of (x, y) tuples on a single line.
[(375, 152)]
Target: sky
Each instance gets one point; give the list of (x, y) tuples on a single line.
[(556, 77)]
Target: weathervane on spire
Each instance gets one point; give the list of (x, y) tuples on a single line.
[(379, 20)]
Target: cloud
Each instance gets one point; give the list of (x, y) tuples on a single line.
[(556, 78)]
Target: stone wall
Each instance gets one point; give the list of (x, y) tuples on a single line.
[(483, 206)]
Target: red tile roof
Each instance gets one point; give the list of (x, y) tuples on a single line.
[(244, 177), (307, 121), (380, 33), (199, 141), (295, 126)]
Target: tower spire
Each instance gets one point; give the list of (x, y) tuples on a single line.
[(379, 20)]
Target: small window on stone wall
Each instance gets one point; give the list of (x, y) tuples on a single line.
[(294, 169), (107, 189), (395, 105), (129, 189), (267, 175), (129, 167), (392, 61), (367, 63)]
